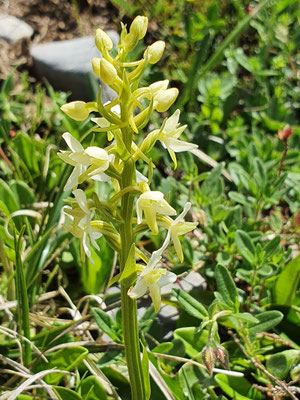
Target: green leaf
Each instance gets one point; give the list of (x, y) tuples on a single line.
[(238, 388), (259, 173), (247, 317), (8, 197), (146, 376), (66, 359), (238, 197), (91, 389), (280, 364), (286, 285), (22, 192), (245, 245), (267, 321), (226, 285), (105, 323), (129, 273), (190, 305), (65, 394), (193, 343)]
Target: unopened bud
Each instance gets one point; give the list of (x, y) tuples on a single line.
[(139, 26), (108, 72), (76, 110), (159, 85), (96, 66), (103, 41), (209, 358), (222, 356), (164, 99), (155, 51), (286, 133)]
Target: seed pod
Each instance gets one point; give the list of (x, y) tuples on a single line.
[(209, 358), (222, 356)]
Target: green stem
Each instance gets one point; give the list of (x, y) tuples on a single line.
[(129, 307)]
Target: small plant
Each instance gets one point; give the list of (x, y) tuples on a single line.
[(120, 219)]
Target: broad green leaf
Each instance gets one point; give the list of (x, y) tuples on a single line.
[(247, 317), (8, 197), (23, 193), (190, 305), (272, 246), (146, 376), (226, 286), (65, 394), (66, 359), (267, 321), (245, 245), (105, 323), (238, 388), (286, 285), (259, 173), (91, 389), (95, 276), (238, 197), (279, 364), (193, 343)]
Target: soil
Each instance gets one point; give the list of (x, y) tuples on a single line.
[(52, 20)]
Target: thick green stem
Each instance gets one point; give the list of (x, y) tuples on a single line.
[(129, 307)]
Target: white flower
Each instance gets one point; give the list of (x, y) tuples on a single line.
[(170, 134), (78, 222), (151, 203), (152, 278), (81, 158)]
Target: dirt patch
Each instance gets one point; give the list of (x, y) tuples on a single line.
[(52, 20)]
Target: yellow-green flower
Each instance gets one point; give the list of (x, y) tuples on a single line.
[(152, 203), (81, 158)]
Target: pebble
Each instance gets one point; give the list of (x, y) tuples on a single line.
[(67, 66), (13, 29)]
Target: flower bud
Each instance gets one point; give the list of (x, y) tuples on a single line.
[(103, 41), (155, 51), (209, 358), (286, 133), (222, 356), (159, 85), (96, 66), (107, 72), (77, 110), (139, 26), (164, 99)]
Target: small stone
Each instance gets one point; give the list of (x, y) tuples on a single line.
[(67, 66), (13, 29)]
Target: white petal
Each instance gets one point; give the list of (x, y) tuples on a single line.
[(166, 279), (140, 177), (181, 216), (172, 122), (86, 246), (65, 156), (101, 177), (97, 152), (154, 195), (102, 122), (178, 145), (73, 178), (73, 143), (81, 200), (138, 290), (139, 212)]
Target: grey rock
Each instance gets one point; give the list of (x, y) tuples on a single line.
[(67, 66), (191, 281), (13, 29)]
